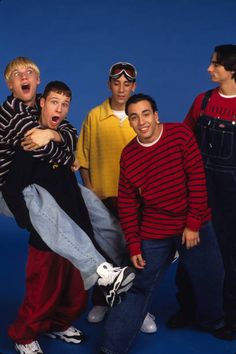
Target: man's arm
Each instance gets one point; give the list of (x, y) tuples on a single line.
[(196, 183), (16, 119), (83, 151), (16, 181), (36, 138), (84, 173), (194, 113), (128, 206), (52, 146)]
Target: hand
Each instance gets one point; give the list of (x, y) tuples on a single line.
[(138, 261), (36, 138), (75, 166), (190, 238)]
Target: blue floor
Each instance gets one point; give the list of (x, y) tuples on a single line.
[(13, 245)]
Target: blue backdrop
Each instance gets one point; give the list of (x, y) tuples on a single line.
[(170, 42)]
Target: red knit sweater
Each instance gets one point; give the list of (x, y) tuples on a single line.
[(168, 179)]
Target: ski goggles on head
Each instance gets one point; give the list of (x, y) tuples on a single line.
[(123, 68)]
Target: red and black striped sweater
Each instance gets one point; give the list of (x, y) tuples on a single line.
[(168, 179)]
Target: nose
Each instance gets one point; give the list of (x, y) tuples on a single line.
[(59, 108), (23, 75), (210, 68), (141, 120), (121, 87)]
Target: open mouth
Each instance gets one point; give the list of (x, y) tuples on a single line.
[(25, 88), (55, 119)]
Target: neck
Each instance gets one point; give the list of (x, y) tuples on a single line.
[(228, 88), (117, 106)]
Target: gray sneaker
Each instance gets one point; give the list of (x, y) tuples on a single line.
[(114, 281), (70, 335)]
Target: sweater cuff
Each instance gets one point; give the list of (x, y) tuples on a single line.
[(135, 249), (193, 224)]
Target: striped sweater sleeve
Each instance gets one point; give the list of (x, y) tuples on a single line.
[(196, 183), (129, 206), (15, 120)]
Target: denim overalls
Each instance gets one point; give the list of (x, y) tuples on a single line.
[(217, 142)]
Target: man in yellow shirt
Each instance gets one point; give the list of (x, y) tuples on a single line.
[(104, 134)]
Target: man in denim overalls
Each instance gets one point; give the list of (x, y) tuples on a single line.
[(213, 119)]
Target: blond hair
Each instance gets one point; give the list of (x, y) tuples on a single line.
[(16, 63)]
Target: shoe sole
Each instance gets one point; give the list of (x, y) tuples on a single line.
[(19, 351), (65, 339), (121, 285)]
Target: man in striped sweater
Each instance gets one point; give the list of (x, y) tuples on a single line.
[(163, 208)]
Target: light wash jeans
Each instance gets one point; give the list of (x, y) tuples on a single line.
[(66, 238)]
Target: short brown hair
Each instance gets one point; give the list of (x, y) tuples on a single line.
[(58, 87)]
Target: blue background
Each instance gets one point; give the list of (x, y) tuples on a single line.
[(170, 42)]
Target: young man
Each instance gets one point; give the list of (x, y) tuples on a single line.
[(162, 171), (54, 289), (57, 301), (17, 115), (212, 117), (104, 134)]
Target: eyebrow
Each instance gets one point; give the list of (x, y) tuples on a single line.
[(144, 111)]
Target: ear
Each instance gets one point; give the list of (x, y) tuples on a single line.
[(38, 80), (42, 102), (9, 84), (134, 87), (156, 117)]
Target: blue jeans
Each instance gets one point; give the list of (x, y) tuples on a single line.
[(217, 141), (67, 239), (205, 267)]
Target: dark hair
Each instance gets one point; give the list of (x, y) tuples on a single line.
[(226, 56), (140, 97), (58, 87)]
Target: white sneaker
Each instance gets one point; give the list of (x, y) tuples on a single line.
[(70, 335), (149, 324), (115, 281), (31, 348), (97, 314)]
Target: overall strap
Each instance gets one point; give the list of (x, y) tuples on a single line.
[(206, 99)]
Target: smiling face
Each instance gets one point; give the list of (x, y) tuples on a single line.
[(23, 82), (144, 121), (54, 109)]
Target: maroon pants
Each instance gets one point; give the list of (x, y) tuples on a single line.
[(54, 297)]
